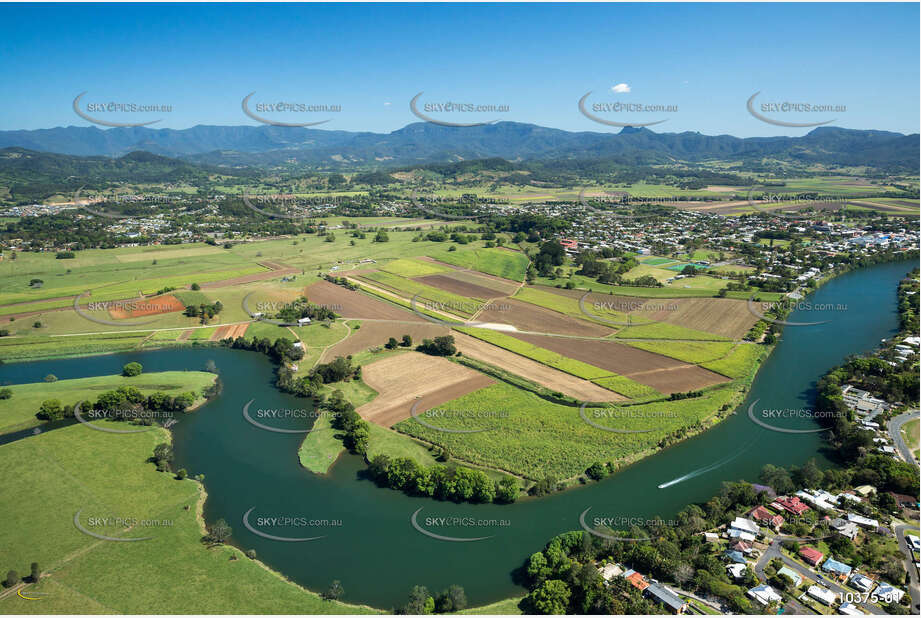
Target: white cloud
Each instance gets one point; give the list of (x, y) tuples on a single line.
[(386, 103), (621, 88)]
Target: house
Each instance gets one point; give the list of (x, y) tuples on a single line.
[(838, 569), (741, 546), (844, 528), (889, 594), (745, 525), (904, 502), (764, 594), (862, 582), (823, 595), (735, 533), (811, 555), (766, 518), (849, 609), (795, 577), (913, 542), (711, 537), (792, 505), (737, 570), (303, 321), (862, 521), (735, 556), (636, 580), (611, 570), (666, 597), (865, 490)]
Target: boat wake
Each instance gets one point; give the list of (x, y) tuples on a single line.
[(705, 469)]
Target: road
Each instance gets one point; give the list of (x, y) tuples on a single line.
[(909, 565), (774, 552), (895, 427)]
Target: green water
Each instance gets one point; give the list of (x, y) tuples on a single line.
[(376, 552)]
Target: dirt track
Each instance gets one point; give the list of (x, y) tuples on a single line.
[(545, 376), (401, 380)]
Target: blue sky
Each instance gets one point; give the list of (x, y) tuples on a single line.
[(538, 59)]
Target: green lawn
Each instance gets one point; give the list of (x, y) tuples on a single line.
[(414, 268), (18, 412), (664, 330), (56, 474)]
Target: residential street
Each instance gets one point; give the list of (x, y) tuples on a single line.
[(913, 590), (774, 552), (895, 426)]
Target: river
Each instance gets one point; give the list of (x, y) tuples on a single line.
[(378, 555)]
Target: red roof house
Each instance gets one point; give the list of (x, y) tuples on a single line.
[(791, 505), (766, 518), (811, 555)]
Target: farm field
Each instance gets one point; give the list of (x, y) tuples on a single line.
[(18, 412), (88, 576), (503, 263), (525, 316), (555, 360), (405, 379), (353, 304), (375, 334), (532, 437), (741, 362), (547, 377), (695, 352), (661, 373), (426, 295), (460, 287)]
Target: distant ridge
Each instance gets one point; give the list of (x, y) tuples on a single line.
[(422, 142)]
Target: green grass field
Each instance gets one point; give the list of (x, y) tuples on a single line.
[(532, 437), (665, 330), (49, 481), (499, 262), (18, 412), (413, 268), (742, 361), (687, 351)]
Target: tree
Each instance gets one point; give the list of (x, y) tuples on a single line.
[(454, 599), (407, 341), (6, 393), (12, 578), (551, 597), (334, 592), (36, 573), (132, 369), (182, 474), (51, 378), (419, 602), (50, 410), (381, 236), (391, 344), (195, 287), (218, 533)]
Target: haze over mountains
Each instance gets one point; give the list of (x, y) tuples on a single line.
[(422, 142)]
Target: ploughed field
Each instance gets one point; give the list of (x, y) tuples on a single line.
[(664, 374)]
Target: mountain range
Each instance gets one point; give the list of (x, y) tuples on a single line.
[(421, 143)]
